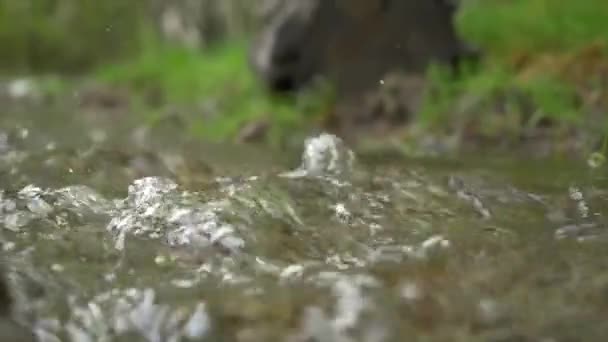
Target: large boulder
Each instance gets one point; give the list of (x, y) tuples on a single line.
[(375, 52), (354, 42)]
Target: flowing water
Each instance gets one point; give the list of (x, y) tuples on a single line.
[(115, 233)]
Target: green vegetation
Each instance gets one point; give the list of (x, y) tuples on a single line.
[(504, 27), (539, 65), (215, 88), (545, 64), (50, 35)]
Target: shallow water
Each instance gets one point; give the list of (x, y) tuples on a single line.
[(112, 232)]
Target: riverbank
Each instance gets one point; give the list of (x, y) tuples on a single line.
[(540, 88)]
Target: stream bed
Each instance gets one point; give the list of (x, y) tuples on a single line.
[(113, 232)]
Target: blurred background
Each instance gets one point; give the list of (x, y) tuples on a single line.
[(542, 74), (144, 144)]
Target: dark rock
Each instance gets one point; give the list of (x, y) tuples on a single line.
[(10, 329), (6, 300), (356, 42)]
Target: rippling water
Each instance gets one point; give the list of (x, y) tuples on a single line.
[(118, 235)]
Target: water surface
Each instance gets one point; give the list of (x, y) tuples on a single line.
[(113, 232)]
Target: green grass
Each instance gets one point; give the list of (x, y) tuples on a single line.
[(66, 35), (506, 26), (549, 96), (494, 94), (220, 80)]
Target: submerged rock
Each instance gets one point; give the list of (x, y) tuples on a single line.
[(10, 329)]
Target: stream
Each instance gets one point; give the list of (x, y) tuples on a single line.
[(115, 232)]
